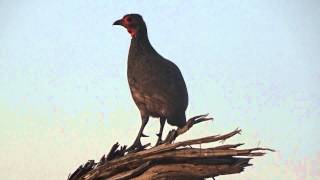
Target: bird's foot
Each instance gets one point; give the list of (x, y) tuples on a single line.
[(136, 146), (159, 141)]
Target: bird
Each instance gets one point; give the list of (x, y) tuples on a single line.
[(156, 84)]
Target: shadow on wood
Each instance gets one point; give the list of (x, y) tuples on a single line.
[(171, 160)]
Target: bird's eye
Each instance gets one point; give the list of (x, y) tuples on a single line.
[(129, 19)]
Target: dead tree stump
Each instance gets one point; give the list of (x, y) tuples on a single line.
[(171, 160)]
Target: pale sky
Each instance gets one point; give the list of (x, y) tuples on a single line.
[(250, 64)]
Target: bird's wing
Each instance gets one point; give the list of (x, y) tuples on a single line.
[(163, 81)]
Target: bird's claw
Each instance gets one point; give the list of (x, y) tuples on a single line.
[(159, 142), (136, 146)]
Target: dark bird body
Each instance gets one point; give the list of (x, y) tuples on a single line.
[(156, 84)]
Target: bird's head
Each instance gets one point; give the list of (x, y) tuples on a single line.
[(133, 23)]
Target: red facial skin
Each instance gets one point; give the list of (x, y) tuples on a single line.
[(129, 24)]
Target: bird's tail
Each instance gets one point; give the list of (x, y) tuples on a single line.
[(177, 119)]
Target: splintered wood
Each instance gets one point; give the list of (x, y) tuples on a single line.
[(170, 160)]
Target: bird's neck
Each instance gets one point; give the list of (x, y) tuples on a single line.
[(140, 44)]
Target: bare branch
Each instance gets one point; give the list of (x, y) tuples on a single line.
[(172, 160)]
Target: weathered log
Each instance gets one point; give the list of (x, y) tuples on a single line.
[(172, 160)]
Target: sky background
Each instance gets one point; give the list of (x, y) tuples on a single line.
[(64, 96)]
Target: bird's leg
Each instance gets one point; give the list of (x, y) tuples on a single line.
[(162, 122), (137, 143)]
